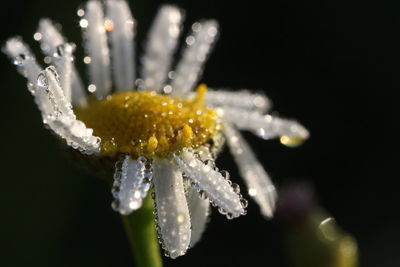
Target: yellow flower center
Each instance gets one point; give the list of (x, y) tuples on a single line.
[(149, 124)]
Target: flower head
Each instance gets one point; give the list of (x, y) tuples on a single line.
[(155, 128)]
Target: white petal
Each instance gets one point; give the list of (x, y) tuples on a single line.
[(265, 126), (23, 58), (60, 117), (120, 25), (199, 206), (258, 182), (199, 209), (190, 67), (242, 99), (172, 211), (27, 65), (212, 183), (95, 42), (63, 62), (160, 47), (48, 81), (50, 39), (131, 184)]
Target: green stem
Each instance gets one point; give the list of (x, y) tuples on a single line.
[(141, 231)]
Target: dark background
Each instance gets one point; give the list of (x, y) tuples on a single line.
[(333, 65)]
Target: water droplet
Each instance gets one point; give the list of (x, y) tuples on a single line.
[(47, 59), (203, 195), (42, 80), (37, 36), (244, 203), (222, 211), (291, 141), (229, 216), (31, 88), (180, 218), (225, 174), (236, 188), (196, 26), (92, 88), (252, 192), (87, 60), (19, 60), (80, 12), (53, 71), (190, 40), (83, 23), (115, 205), (193, 163)]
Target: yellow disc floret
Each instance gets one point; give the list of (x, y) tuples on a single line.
[(149, 124)]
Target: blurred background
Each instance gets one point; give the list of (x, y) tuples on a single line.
[(333, 65)]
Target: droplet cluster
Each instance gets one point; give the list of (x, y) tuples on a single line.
[(211, 183), (132, 180)]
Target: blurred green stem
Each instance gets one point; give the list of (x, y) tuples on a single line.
[(141, 231)]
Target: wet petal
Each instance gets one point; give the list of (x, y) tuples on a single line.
[(212, 183), (60, 117), (242, 99), (27, 66), (22, 57), (120, 25), (265, 126), (259, 184), (199, 209), (95, 43), (161, 45), (199, 45), (63, 62), (172, 210), (51, 41), (131, 183)]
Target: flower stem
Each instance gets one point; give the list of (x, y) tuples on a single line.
[(141, 231)]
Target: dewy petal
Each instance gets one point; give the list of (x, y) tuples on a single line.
[(259, 184), (199, 209), (50, 40), (131, 183), (60, 117), (211, 182), (23, 58), (27, 65), (199, 45), (63, 62), (243, 99), (172, 210), (265, 126), (160, 47), (199, 206), (48, 81), (120, 26), (95, 43)]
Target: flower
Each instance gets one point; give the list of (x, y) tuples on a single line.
[(162, 133)]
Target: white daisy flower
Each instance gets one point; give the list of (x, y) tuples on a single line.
[(157, 130)]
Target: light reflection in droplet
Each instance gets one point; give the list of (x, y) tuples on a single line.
[(108, 25), (252, 192), (37, 36), (47, 60), (87, 60), (327, 229), (196, 26), (92, 88), (83, 23), (80, 12), (190, 40)]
